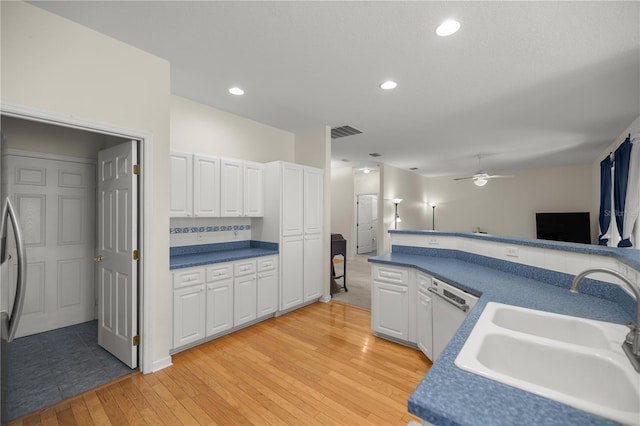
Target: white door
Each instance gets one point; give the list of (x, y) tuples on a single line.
[(244, 299), (55, 202), (390, 310), (365, 224), (425, 325), (189, 306), (219, 306), (117, 246)]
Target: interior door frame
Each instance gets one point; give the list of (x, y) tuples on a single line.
[(145, 234)]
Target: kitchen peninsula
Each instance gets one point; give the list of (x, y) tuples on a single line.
[(533, 274)]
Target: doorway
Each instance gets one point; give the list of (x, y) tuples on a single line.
[(366, 223), (51, 173)]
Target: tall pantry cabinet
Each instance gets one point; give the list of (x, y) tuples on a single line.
[(293, 218)]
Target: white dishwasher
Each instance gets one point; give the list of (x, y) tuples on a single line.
[(450, 307)]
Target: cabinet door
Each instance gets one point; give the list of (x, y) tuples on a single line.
[(292, 200), (219, 306), (390, 313), (253, 190), (206, 186), (291, 293), (244, 299), (188, 315), (267, 292), (312, 266), (180, 184), (231, 189), (313, 196), (425, 325)]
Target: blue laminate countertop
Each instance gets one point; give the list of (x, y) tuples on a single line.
[(630, 256), (450, 396), (206, 254)]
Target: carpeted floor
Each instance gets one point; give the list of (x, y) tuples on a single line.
[(358, 282)]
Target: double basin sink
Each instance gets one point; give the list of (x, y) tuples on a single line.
[(576, 361)]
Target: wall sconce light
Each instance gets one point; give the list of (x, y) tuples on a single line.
[(396, 218), (433, 215)]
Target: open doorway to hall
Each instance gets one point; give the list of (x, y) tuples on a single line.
[(65, 339)]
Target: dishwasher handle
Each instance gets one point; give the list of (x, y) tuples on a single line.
[(463, 308)]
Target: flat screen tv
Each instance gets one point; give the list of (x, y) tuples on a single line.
[(570, 227)]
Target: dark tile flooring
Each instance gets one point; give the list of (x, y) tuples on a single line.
[(49, 367)]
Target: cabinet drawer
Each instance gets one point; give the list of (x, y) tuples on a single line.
[(244, 267), (391, 275), (219, 272), (266, 263), (188, 277)]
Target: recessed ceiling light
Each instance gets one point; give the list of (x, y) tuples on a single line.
[(236, 91), (388, 85), (447, 28)]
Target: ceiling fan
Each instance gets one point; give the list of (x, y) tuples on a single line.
[(481, 178)]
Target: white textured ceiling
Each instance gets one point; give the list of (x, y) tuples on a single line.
[(524, 84)]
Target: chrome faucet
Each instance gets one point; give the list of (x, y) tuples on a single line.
[(631, 344)]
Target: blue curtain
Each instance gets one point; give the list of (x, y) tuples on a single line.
[(620, 176), (605, 199)]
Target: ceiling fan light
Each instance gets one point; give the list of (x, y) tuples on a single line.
[(480, 181)]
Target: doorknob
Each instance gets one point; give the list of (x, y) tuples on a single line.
[(98, 258)]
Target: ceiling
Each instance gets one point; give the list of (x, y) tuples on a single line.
[(522, 84)]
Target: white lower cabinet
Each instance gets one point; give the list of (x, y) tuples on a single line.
[(424, 325), (188, 315), (244, 299), (312, 268), (267, 286), (391, 310), (219, 306), (390, 303), (234, 294), (292, 273)]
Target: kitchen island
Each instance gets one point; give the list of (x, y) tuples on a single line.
[(528, 273)]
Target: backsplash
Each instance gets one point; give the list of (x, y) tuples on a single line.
[(195, 231)]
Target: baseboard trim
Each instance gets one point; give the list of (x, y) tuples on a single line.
[(161, 364)]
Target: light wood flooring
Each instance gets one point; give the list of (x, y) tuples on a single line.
[(319, 365)]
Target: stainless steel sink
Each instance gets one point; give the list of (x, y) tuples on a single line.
[(572, 360)]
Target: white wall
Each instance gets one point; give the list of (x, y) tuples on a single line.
[(508, 206), (412, 188), (205, 130), (366, 183), (342, 208), (53, 65)]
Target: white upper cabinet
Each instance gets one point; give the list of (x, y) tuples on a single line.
[(181, 185), (292, 199), (206, 186), (313, 197), (253, 204), (231, 191), (242, 188)]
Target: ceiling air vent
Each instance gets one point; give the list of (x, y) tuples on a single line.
[(375, 154), (342, 131)]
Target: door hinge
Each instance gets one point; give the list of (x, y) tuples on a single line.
[(136, 169), (136, 255), (136, 340)]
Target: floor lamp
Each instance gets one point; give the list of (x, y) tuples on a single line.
[(433, 216), (396, 219)]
